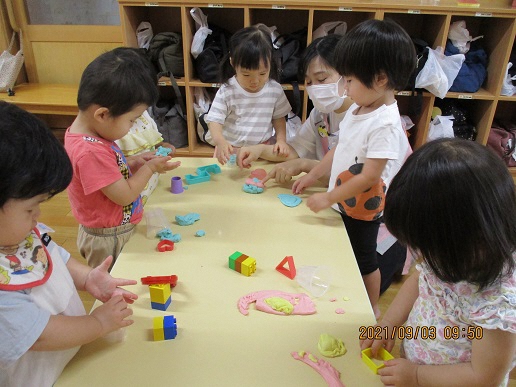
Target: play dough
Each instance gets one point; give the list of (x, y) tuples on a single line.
[(325, 369), (330, 346), (200, 233), (188, 219), (259, 173), (289, 200), (269, 301), (253, 186)]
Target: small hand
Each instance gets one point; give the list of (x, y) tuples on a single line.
[(223, 152), (246, 155), (399, 372), (161, 164), (113, 314), (102, 286), (283, 172), (387, 341), (281, 148), (302, 183), (319, 201)]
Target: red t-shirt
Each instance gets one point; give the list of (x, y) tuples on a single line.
[(98, 163)]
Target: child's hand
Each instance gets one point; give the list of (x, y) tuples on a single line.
[(282, 173), (102, 286), (302, 183), (223, 151), (281, 148), (246, 155), (387, 341), (319, 201), (399, 372), (161, 165), (113, 314)]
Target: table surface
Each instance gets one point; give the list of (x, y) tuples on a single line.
[(215, 344)]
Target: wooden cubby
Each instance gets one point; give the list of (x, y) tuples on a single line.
[(429, 20)]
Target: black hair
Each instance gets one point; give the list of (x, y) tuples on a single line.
[(118, 80), (374, 47), (32, 160), (323, 48), (249, 47), (454, 203)]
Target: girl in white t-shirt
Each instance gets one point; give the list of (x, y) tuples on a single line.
[(376, 58), (250, 103)]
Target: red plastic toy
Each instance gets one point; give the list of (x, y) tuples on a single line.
[(156, 280), (165, 245), (291, 271)]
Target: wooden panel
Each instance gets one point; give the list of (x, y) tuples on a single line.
[(64, 62)]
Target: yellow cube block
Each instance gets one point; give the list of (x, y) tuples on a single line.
[(248, 266), (159, 293)]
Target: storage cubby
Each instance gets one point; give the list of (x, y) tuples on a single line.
[(428, 20)]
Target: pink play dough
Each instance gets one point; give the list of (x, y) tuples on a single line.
[(250, 181), (258, 173), (325, 369), (301, 302)]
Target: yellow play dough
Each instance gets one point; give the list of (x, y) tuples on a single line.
[(330, 346), (280, 304)]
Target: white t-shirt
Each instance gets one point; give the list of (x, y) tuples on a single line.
[(375, 135), (247, 117), (318, 134), (24, 316)]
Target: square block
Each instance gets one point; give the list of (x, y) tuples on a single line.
[(160, 293), (248, 266), (164, 328), (367, 358), (160, 306)]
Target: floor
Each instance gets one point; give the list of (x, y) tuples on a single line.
[(56, 213)]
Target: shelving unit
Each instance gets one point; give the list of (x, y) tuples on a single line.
[(426, 19)]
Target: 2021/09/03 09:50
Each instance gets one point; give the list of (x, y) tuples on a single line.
[(423, 332)]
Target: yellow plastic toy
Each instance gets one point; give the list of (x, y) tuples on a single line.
[(368, 359)]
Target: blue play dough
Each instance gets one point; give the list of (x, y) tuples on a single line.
[(162, 151), (166, 233), (252, 189), (289, 200), (188, 219), (200, 233)]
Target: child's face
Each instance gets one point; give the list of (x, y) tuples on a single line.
[(252, 81), (372, 97), (117, 127), (18, 217)]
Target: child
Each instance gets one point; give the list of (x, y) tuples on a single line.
[(115, 90), (144, 137), (319, 133), (376, 58), (43, 320), (454, 203), (250, 102)]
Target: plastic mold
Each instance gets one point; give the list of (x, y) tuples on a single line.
[(383, 355), (203, 174)]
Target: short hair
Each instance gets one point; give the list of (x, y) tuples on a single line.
[(249, 47), (118, 80), (323, 48), (32, 160), (454, 203), (374, 47)]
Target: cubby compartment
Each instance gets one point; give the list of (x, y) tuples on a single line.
[(407, 104), (285, 20), (429, 27), (352, 18)]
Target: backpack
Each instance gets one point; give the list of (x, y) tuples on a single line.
[(167, 47), (422, 56), (216, 46), (502, 140), (288, 54)]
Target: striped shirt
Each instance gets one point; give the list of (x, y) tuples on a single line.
[(247, 117)]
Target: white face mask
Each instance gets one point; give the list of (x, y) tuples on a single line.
[(326, 97)]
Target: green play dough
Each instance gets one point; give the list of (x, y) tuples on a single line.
[(280, 304), (330, 346)]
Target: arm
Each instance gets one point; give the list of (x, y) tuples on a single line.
[(323, 168), (280, 126), (248, 154), (224, 148), (370, 175), (397, 313), (64, 332), (491, 359), (283, 172), (125, 191)]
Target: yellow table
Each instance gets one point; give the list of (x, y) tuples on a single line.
[(216, 345)]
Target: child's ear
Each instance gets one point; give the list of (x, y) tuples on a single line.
[(101, 114), (381, 79)]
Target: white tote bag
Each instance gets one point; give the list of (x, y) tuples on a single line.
[(10, 65)]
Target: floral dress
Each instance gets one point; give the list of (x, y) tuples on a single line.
[(448, 309)]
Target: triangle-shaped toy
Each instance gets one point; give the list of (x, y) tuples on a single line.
[(291, 271)]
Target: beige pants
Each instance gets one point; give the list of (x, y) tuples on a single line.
[(96, 244)]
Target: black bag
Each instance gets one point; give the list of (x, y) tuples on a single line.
[(422, 56), (462, 128), (216, 46), (170, 117), (167, 47), (289, 53)]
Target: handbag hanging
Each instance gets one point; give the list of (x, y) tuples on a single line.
[(10, 65)]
